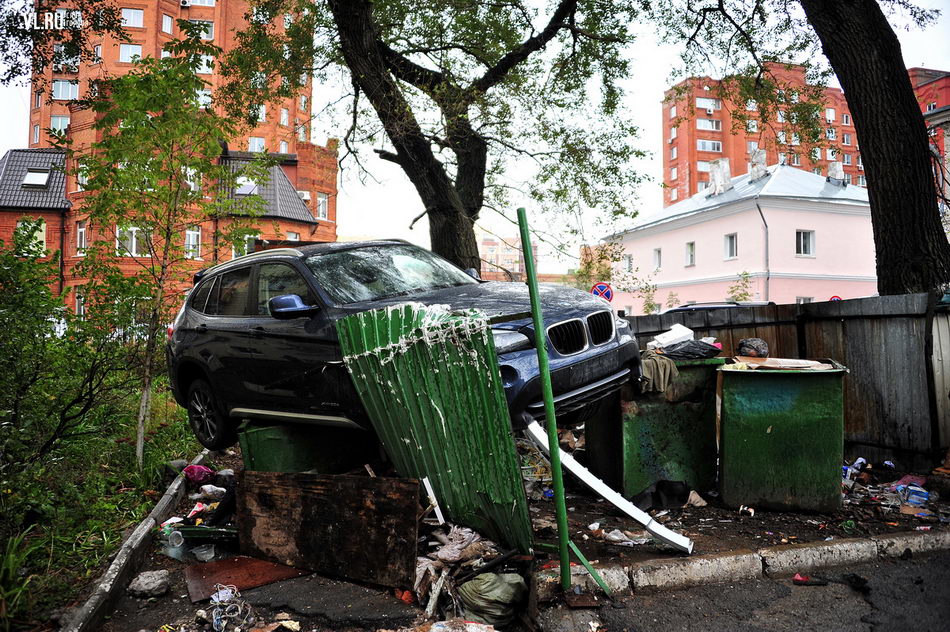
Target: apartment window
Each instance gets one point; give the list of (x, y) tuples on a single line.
[(690, 253), (674, 195), (36, 133), (816, 154), (303, 102), (80, 303), (846, 139), (628, 263), (847, 178), (673, 131), (128, 52), (831, 134), (830, 153), (780, 116), (751, 105), (816, 171), (323, 206), (701, 184), (703, 166), (203, 3), (81, 238), (97, 54), (204, 98), (931, 106), (796, 140), (261, 113), (130, 242), (751, 146), (193, 242), (705, 103), (709, 145), (207, 28), (288, 20), (37, 99), (751, 126), (62, 62), (657, 258), (39, 236), (796, 160), (284, 116), (731, 246), (862, 181), (829, 114), (165, 53), (301, 131), (64, 90), (168, 24), (846, 158), (206, 65), (714, 125), (804, 299), (673, 153), (192, 179), (244, 186), (132, 17), (845, 118), (805, 243), (860, 163), (673, 112), (59, 124), (255, 143), (673, 173), (780, 136), (284, 147), (292, 236)]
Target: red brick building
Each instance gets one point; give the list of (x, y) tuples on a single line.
[(300, 196), (698, 128)]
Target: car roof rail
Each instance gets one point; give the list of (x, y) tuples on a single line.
[(260, 254)]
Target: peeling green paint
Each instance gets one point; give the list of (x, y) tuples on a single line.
[(429, 380)]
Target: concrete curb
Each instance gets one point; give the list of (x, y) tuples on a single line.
[(127, 560), (775, 561)]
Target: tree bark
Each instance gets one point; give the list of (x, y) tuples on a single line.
[(913, 254)]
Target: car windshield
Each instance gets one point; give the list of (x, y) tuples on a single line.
[(376, 272)]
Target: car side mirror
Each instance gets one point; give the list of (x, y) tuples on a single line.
[(472, 272), (289, 306)]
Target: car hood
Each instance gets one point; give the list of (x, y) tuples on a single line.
[(497, 298)]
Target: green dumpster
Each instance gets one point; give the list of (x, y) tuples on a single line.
[(303, 447), (672, 435), (782, 438)]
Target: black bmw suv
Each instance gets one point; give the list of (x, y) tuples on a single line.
[(256, 337)]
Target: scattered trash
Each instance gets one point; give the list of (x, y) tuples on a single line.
[(805, 580), (210, 492), (491, 598), (459, 625), (150, 584), (230, 611), (743, 509), (691, 350), (198, 474), (676, 333), (626, 538), (203, 553), (909, 480), (695, 500), (753, 348), (922, 528)]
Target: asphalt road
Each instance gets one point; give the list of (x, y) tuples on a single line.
[(902, 595)]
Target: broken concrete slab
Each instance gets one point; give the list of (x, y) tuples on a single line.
[(333, 602)]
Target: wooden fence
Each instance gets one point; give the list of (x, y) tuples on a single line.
[(897, 350)]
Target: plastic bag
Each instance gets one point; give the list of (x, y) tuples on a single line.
[(691, 350)]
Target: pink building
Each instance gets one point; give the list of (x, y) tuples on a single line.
[(801, 237)]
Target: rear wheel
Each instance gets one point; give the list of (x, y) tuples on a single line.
[(212, 429)]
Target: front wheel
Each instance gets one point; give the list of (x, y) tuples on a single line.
[(212, 429)]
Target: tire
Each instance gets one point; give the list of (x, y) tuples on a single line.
[(212, 429)]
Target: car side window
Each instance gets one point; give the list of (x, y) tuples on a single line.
[(277, 279), (232, 292), (200, 298)]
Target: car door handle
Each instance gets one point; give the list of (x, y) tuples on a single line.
[(201, 328), (257, 331)]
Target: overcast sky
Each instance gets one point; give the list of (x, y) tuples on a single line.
[(385, 208)]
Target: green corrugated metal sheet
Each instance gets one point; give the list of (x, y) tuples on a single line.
[(430, 383)]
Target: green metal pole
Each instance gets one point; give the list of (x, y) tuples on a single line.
[(560, 506)]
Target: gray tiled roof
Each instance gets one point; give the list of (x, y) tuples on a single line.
[(13, 168), (279, 195)]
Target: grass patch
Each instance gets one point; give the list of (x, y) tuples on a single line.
[(71, 511)]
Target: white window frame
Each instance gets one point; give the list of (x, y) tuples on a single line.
[(134, 250), (805, 243), (303, 101), (262, 113), (931, 106), (206, 67), (40, 235), (256, 143), (830, 153), (673, 132), (293, 236), (751, 126), (61, 129), (846, 159), (862, 180), (284, 147), (690, 254), (657, 258), (203, 97), (168, 24), (248, 246), (751, 105), (672, 111), (284, 116), (707, 103), (703, 166), (244, 186), (132, 17), (193, 243), (751, 145), (81, 241), (829, 114), (673, 173), (710, 125), (128, 52), (831, 133), (40, 179), (208, 32), (709, 145), (203, 3), (80, 302), (730, 247), (323, 206), (800, 300), (302, 134), (673, 153), (628, 263), (845, 118), (71, 93), (36, 134), (780, 116), (674, 194), (846, 139), (796, 160)]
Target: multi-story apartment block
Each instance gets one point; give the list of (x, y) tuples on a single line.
[(699, 127), (300, 197), (502, 258)]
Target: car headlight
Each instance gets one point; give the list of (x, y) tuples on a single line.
[(507, 341)]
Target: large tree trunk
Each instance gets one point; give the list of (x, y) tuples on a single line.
[(913, 254), (452, 233)]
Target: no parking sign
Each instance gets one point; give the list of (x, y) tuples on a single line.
[(603, 290)]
